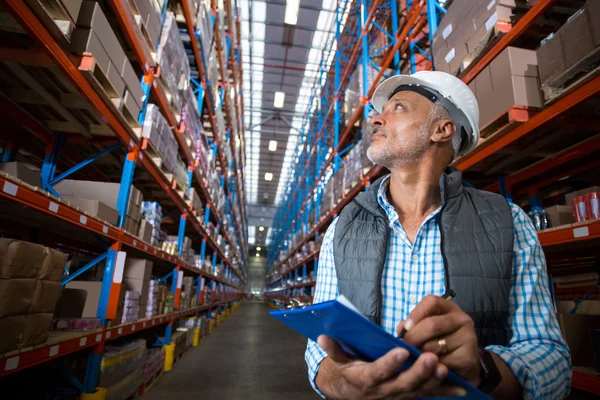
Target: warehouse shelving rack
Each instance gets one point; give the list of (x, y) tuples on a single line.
[(325, 138), (226, 289)]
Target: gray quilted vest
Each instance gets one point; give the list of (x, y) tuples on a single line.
[(477, 236)]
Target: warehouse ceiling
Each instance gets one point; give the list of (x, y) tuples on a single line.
[(279, 57)]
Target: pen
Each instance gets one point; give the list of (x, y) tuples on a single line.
[(449, 295)]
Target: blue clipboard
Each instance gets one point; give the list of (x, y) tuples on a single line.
[(357, 336)]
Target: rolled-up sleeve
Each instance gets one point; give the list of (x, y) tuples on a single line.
[(326, 289), (536, 353)]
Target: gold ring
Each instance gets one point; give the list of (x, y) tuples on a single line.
[(443, 346)]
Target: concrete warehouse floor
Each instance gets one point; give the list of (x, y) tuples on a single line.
[(251, 356)]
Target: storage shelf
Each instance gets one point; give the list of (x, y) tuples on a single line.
[(62, 343), (33, 197), (277, 275), (295, 286), (126, 134), (581, 231), (586, 381)]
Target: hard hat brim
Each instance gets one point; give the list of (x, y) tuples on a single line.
[(386, 88)]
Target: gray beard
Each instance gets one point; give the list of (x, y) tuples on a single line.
[(400, 153)]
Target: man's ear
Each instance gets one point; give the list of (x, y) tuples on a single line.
[(443, 131)]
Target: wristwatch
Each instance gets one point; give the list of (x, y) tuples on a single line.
[(490, 376)]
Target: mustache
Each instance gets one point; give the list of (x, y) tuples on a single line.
[(381, 129)]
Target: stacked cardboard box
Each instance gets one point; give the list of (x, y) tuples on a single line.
[(100, 199), (574, 42), (339, 187), (30, 277), (95, 35), (512, 79), (464, 28), (136, 277), (152, 213), (172, 58), (157, 130), (21, 171), (150, 20)]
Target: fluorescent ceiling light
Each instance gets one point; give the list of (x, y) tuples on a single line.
[(272, 145), (261, 228), (258, 248), (291, 12), (257, 255), (279, 99), (268, 176)]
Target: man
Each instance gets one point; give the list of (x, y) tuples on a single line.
[(418, 234)]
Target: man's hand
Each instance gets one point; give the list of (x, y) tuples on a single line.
[(435, 319), (343, 377)]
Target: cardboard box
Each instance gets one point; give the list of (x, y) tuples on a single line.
[(92, 17), (91, 299), (592, 9), (20, 171), (19, 259), (106, 192), (97, 209), (85, 41), (45, 297), (133, 84), (560, 215), (17, 296), (72, 7), (576, 329), (576, 39), (19, 331), (145, 232), (115, 79), (132, 106), (551, 58), (72, 303)]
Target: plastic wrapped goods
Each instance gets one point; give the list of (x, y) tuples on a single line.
[(120, 361), (157, 130), (171, 52)]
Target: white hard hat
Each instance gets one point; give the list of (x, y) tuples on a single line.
[(444, 89)]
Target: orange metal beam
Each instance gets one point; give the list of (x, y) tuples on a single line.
[(571, 233), (546, 115), (579, 150)]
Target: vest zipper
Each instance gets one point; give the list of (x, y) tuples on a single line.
[(445, 261)]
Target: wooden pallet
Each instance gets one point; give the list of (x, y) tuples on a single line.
[(584, 71), (147, 385), (99, 81)]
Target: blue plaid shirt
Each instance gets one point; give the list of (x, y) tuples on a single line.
[(537, 353)]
